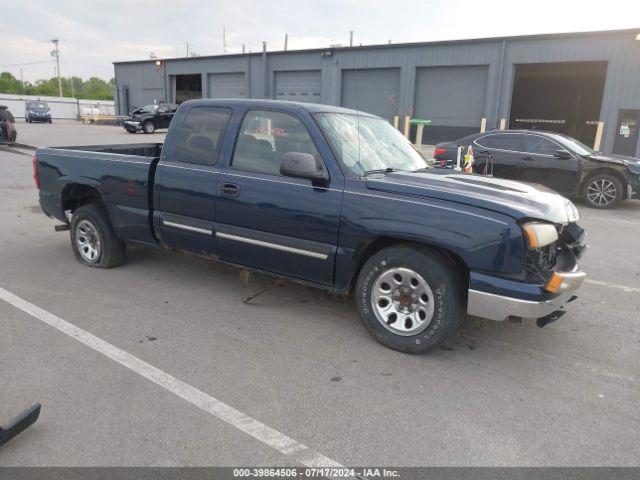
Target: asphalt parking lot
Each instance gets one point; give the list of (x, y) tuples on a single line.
[(295, 360)]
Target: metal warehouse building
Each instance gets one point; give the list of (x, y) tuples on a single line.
[(561, 82)]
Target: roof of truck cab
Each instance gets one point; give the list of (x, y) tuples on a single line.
[(280, 104)]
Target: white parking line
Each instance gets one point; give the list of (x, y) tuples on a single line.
[(258, 430), (613, 285)]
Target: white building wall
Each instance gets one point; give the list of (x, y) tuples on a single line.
[(61, 107)]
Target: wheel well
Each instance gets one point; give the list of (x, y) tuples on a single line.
[(606, 171), (367, 250), (75, 195)]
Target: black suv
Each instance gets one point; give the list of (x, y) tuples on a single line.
[(150, 118), (37, 111), (552, 159)]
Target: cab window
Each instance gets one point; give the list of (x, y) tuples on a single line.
[(264, 138), (199, 135)]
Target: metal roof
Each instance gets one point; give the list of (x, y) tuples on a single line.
[(402, 45)]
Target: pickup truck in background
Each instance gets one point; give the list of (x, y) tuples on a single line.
[(329, 197), (150, 118)]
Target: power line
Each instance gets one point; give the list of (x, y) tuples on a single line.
[(25, 63)]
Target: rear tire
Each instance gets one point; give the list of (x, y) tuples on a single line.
[(93, 240), (409, 298), (148, 127), (603, 191)]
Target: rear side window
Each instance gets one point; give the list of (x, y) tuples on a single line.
[(502, 141), (540, 145), (199, 135), (264, 138)]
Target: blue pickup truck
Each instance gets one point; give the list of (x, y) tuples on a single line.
[(330, 197)]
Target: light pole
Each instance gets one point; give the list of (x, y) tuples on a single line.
[(56, 53)]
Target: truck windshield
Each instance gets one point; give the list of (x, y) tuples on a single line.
[(367, 144)]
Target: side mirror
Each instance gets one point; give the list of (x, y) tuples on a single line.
[(302, 165), (562, 154)]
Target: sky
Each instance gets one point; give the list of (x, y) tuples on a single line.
[(95, 33)]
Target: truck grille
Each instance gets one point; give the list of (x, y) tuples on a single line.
[(539, 262)]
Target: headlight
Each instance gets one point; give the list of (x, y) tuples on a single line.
[(539, 234)]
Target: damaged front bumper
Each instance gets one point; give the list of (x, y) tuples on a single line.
[(132, 126), (633, 189), (499, 299)]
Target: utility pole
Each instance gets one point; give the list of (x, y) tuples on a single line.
[(21, 79), (224, 40), (286, 41), (351, 38), (187, 44), (56, 53), (264, 66)]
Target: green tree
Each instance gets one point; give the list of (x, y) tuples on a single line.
[(10, 84), (94, 88)]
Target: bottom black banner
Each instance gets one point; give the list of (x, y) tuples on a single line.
[(282, 473)]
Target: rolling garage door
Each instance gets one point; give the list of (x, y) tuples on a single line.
[(374, 90), (452, 98), (226, 85), (302, 86)]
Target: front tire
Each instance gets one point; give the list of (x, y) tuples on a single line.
[(93, 240), (409, 298), (148, 127), (603, 191)]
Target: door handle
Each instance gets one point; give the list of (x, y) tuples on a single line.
[(230, 190), (527, 158)]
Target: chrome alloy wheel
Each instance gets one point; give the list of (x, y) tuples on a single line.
[(88, 241), (602, 192), (402, 301)]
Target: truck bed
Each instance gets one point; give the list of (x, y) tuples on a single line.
[(121, 176)]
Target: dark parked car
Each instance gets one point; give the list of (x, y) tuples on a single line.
[(552, 159), (327, 197), (37, 111), (8, 133), (150, 118)]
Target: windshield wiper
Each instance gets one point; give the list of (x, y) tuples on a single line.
[(381, 170)]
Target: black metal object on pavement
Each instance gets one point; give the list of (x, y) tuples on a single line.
[(20, 423)]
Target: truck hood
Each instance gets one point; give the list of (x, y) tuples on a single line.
[(515, 199)]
